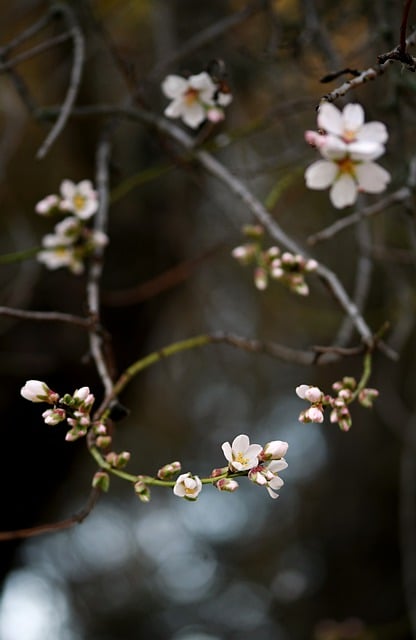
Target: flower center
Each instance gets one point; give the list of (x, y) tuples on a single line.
[(349, 135), (241, 459), (191, 96), (346, 165), (79, 201)]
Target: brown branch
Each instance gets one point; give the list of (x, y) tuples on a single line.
[(61, 525), (403, 26), (163, 282), (27, 55)]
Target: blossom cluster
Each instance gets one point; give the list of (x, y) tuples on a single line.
[(349, 147), (346, 393), (71, 241), (260, 464), (286, 267), (196, 99), (73, 408)]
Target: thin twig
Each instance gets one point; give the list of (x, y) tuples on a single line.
[(77, 518), (47, 316), (75, 79), (95, 270), (325, 234), (28, 33), (205, 36), (31, 53), (403, 26)]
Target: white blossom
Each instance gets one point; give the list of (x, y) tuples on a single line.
[(191, 98), (81, 199), (349, 148), (274, 450), (187, 486), (61, 256), (241, 455)]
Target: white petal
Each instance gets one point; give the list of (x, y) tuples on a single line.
[(321, 174), (174, 86), (353, 117), (175, 108), (365, 150), (194, 115), (371, 177), (224, 99), (344, 192), (226, 449), (375, 131), (241, 443), (333, 148), (330, 119), (202, 82), (67, 189)]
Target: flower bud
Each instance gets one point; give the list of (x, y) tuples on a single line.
[(142, 491), (38, 391), (260, 278), (101, 480), (227, 484), (187, 486), (54, 416), (366, 397), (218, 472), (103, 442), (274, 450), (169, 470)]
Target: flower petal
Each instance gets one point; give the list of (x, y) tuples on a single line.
[(174, 86), (330, 119), (374, 131), (353, 117), (241, 443), (321, 174), (343, 192), (371, 177), (226, 449), (194, 115)]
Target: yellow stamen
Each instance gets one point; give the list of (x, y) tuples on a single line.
[(79, 201)]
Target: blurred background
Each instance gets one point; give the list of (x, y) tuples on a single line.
[(334, 557)]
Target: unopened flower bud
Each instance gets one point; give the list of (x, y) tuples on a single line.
[(366, 397), (54, 416), (218, 472), (101, 480), (227, 484), (254, 231), (260, 278), (274, 450), (103, 442), (313, 414), (38, 391), (142, 491), (169, 470)]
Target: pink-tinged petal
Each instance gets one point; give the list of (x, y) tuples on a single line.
[(343, 192), (365, 150), (333, 148), (374, 131), (194, 115), (301, 390), (321, 174), (174, 86), (371, 177), (272, 494), (353, 117), (226, 449), (241, 443), (330, 119), (276, 483)]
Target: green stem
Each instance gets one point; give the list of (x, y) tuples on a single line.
[(147, 361), (364, 377), (19, 256)]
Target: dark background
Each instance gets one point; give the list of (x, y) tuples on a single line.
[(333, 557)]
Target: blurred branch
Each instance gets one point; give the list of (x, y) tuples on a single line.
[(398, 196), (27, 55), (47, 316), (77, 518), (75, 78), (95, 270), (205, 36)]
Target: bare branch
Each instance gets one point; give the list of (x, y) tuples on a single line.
[(75, 79), (61, 525), (46, 316)]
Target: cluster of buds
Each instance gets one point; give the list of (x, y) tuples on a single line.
[(72, 241), (290, 269), (73, 408), (346, 393), (196, 99)]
